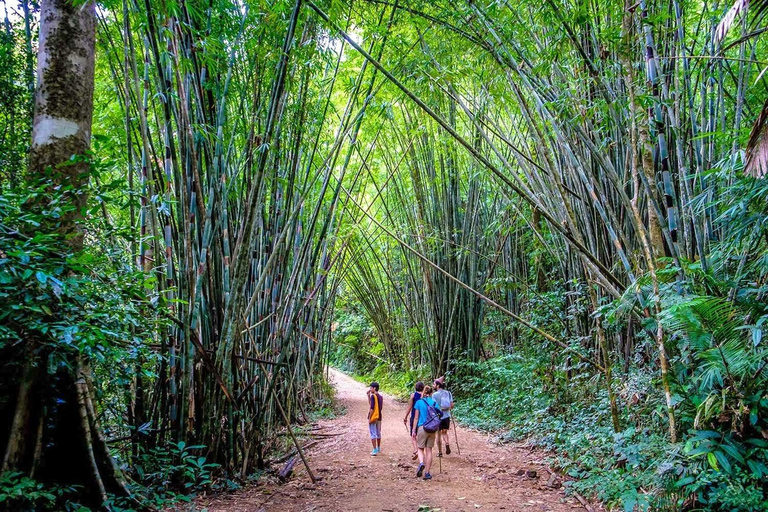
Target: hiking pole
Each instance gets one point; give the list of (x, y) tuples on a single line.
[(455, 435), (439, 452)]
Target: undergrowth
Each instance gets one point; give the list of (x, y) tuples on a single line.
[(505, 395), (634, 469)]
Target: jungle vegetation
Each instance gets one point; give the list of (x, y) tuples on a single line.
[(561, 205)]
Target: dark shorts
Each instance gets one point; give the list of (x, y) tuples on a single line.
[(445, 423)]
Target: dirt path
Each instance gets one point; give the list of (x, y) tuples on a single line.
[(483, 477)]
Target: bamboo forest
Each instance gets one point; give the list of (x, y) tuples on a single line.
[(221, 220)]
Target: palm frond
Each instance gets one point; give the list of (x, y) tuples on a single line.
[(733, 358), (757, 146), (757, 8), (727, 22), (705, 321)]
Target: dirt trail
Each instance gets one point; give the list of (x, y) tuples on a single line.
[(483, 477)]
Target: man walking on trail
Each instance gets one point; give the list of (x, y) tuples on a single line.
[(375, 402), (424, 440), (444, 400)]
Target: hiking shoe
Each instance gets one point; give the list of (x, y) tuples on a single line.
[(420, 471), (447, 449), (374, 452), (428, 477)]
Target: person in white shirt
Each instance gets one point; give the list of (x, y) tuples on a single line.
[(444, 400)]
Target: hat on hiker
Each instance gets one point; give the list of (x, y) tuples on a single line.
[(439, 381)]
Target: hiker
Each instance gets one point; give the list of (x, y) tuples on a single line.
[(415, 397), (375, 401), (444, 400), (427, 421)]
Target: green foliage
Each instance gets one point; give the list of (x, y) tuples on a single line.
[(635, 469), (498, 393), (322, 402), (86, 302), (19, 492), (352, 339), (176, 473), (356, 351), (16, 81), (393, 382), (397, 383), (725, 473), (716, 490), (75, 303)]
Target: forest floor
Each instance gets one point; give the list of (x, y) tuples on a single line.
[(486, 476)]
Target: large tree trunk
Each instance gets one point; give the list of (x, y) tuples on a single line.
[(54, 436), (64, 102)]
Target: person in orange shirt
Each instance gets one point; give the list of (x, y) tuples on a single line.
[(376, 402)]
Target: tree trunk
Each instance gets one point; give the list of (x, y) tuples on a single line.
[(54, 436)]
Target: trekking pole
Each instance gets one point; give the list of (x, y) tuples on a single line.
[(455, 435), (439, 451)]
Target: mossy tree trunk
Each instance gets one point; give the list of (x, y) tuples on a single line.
[(54, 435)]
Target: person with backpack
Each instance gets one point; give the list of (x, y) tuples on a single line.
[(444, 400), (415, 397), (427, 421), (376, 402)]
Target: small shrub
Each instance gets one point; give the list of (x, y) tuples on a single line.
[(19, 492)]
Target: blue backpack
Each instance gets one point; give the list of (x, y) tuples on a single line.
[(434, 415)]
